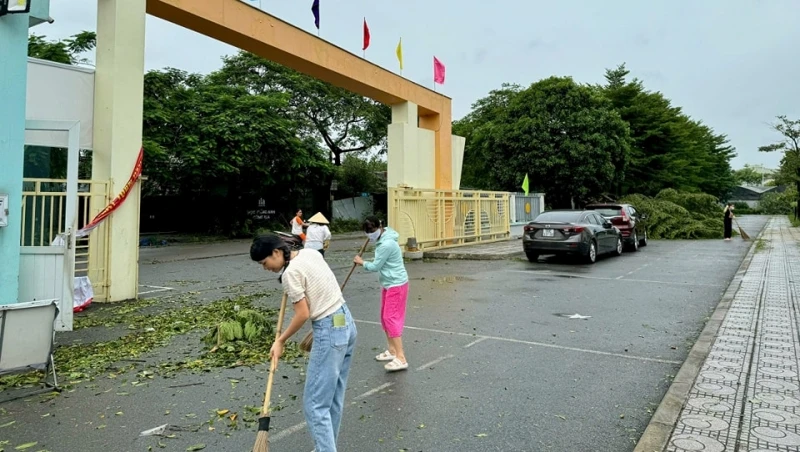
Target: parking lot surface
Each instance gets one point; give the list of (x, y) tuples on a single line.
[(499, 360)]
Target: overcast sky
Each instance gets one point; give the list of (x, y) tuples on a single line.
[(731, 63)]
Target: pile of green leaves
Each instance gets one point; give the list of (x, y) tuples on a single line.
[(676, 215), (149, 331), (246, 325)]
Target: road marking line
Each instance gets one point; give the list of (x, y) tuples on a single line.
[(288, 431), (434, 362), (475, 342), (538, 344), (627, 280), (157, 289), (297, 427), (373, 391)]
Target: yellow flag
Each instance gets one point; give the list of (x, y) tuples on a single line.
[(399, 52), (526, 184)]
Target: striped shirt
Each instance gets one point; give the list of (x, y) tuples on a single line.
[(308, 276)]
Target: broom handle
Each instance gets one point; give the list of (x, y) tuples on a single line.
[(363, 247), (274, 364)]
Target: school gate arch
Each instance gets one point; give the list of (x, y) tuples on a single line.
[(422, 153)]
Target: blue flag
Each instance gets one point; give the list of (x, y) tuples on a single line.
[(315, 10)]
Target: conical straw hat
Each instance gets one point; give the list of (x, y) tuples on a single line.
[(318, 218)]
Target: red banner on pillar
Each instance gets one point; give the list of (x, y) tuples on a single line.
[(113, 205)]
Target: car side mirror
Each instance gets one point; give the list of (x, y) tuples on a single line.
[(607, 224)]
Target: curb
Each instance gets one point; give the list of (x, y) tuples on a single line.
[(658, 431), (471, 257)]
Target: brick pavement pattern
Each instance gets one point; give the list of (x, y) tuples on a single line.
[(747, 395)]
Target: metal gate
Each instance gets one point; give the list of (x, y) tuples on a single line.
[(447, 218), (525, 208), (47, 269), (43, 204)]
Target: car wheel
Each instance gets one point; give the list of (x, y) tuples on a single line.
[(533, 257), (635, 243), (618, 249), (643, 241), (591, 256)]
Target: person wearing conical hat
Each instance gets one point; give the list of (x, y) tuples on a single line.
[(318, 235)]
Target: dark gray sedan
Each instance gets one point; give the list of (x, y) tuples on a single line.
[(583, 233)]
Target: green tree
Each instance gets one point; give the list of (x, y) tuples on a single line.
[(747, 176), (67, 51), (475, 168), (344, 121), (358, 175), (566, 136), (225, 146), (773, 203), (669, 149), (789, 144)]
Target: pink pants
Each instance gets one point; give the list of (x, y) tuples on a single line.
[(393, 309)]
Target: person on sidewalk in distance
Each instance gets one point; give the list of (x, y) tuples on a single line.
[(394, 292), (729, 216), (298, 224), (318, 235), (312, 289)]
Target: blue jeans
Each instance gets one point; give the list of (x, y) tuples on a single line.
[(326, 378)]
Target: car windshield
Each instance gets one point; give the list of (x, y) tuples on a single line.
[(558, 217), (606, 211)]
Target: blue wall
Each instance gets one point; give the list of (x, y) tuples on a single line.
[(13, 80)]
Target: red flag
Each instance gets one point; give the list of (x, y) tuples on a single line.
[(116, 202), (438, 71), (366, 35)]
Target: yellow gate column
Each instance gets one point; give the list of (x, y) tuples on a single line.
[(118, 96), (410, 163)]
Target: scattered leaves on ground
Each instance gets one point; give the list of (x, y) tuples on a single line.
[(87, 361)]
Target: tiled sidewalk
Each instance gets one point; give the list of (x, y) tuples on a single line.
[(747, 394)]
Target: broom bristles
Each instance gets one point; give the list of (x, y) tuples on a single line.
[(262, 442), (262, 438)]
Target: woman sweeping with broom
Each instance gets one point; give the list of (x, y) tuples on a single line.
[(394, 293), (728, 221), (311, 287)]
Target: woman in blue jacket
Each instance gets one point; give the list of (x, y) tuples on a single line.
[(392, 274)]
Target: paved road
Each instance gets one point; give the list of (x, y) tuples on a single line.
[(496, 365)]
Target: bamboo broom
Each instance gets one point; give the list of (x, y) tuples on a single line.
[(262, 438), (741, 231)]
